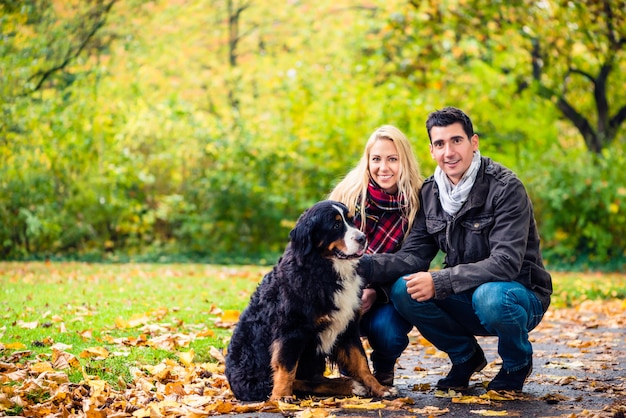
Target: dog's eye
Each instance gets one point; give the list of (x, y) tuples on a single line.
[(337, 225)]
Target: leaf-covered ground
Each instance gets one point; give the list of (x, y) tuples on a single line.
[(580, 371)]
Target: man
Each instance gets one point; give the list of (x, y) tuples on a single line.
[(493, 281)]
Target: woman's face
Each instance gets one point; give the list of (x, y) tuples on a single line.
[(384, 165)]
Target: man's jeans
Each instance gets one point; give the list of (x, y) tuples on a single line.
[(386, 332), (507, 310)]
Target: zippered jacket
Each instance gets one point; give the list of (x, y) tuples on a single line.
[(492, 238)]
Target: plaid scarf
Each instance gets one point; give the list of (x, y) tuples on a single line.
[(385, 225)]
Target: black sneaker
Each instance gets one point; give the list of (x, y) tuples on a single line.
[(514, 381), (459, 375), (384, 378)]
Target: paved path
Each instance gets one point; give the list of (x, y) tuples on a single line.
[(579, 371)]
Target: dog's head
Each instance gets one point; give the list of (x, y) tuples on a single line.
[(327, 228)]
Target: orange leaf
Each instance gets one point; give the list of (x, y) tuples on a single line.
[(99, 353)]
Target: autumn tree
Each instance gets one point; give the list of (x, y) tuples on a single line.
[(41, 40), (571, 53)]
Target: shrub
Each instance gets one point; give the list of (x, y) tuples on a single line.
[(580, 202)]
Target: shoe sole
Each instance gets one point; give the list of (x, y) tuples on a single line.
[(477, 369)]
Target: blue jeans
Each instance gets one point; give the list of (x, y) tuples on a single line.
[(386, 332), (507, 310)]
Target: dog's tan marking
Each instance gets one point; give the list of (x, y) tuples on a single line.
[(283, 378), (356, 365), (323, 320)]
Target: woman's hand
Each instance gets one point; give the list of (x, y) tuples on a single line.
[(367, 299)]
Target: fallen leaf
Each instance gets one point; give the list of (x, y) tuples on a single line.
[(186, 357), (430, 411), (471, 399), (97, 353), (14, 346), (27, 325), (490, 413), (62, 360)]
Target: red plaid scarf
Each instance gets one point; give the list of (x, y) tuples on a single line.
[(385, 225)]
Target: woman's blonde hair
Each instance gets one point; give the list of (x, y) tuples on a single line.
[(353, 187)]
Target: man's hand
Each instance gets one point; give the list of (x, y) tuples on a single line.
[(420, 286), (367, 299)]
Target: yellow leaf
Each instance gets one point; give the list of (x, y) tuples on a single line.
[(230, 316), (187, 357), (285, 406), (313, 413), (367, 405), (142, 413), (373, 405), (41, 367), (430, 350), (121, 323), (489, 413), (14, 346), (470, 399), (446, 393), (98, 387), (98, 353), (494, 395)]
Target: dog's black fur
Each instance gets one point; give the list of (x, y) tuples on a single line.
[(304, 312)]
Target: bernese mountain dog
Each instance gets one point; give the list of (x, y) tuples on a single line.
[(305, 312)]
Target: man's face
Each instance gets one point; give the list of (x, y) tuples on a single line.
[(452, 150)]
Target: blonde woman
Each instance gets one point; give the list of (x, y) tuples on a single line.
[(383, 193)]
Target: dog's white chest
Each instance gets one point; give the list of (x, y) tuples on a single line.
[(348, 302)]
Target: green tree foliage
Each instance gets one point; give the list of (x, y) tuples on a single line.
[(203, 129), (570, 53)]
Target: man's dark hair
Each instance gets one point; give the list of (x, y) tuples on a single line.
[(447, 116)]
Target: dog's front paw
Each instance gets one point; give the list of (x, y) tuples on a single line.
[(358, 389), (284, 399), (390, 392)]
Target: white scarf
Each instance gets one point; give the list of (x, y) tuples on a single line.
[(452, 196)]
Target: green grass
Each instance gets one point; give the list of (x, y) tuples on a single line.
[(94, 305), (570, 289), (90, 305)]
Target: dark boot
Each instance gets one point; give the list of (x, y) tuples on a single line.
[(506, 380), (459, 375), (384, 378)]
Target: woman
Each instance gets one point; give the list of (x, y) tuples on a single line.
[(383, 193)]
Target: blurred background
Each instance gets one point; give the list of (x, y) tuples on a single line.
[(176, 130)]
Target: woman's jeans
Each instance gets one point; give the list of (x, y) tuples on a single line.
[(386, 332), (507, 310)]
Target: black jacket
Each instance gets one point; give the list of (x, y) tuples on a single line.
[(492, 238)]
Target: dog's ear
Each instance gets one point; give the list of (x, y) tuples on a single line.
[(301, 236)]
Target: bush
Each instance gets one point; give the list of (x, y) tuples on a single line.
[(580, 206)]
